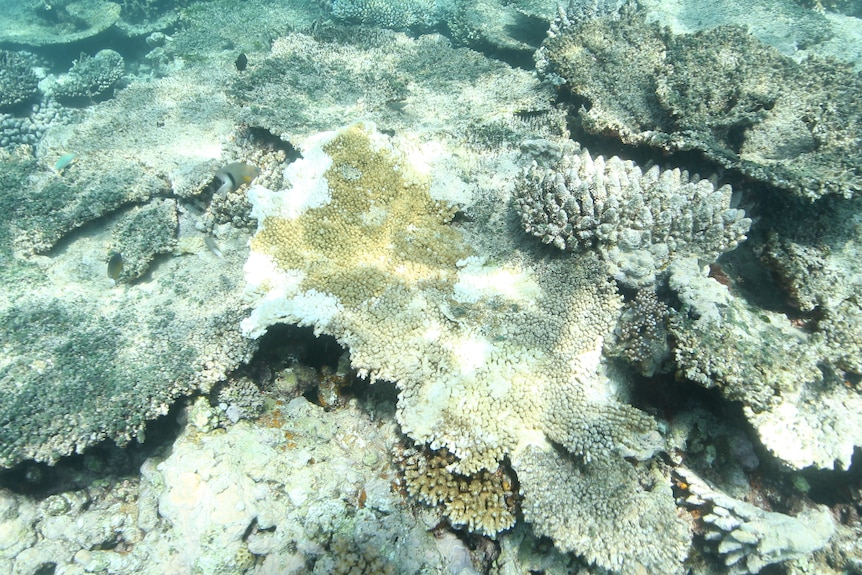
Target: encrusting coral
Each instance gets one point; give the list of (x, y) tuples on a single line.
[(495, 354)]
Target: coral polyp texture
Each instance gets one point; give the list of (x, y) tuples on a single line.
[(495, 354), (719, 91), (390, 14), (483, 502), (18, 83), (638, 221)]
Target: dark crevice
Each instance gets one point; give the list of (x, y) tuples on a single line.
[(104, 460)]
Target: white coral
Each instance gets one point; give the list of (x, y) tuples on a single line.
[(639, 221)]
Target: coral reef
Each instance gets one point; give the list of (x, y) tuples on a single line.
[(819, 267), (91, 77), (27, 130), (240, 399), (804, 413), (491, 357), (18, 83), (748, 538), (49, 207), (639, 221), (482, 502), (402, 242), (719, 91)]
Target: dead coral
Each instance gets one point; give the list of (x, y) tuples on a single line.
[(718, 91)]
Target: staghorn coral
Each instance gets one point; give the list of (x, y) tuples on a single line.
[(492, 352), (639, 221)]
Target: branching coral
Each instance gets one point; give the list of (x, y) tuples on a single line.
[(639, 221)]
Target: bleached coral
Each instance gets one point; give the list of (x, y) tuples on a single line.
[(492, 352), (603, 501), (639, 221), (748, 538)]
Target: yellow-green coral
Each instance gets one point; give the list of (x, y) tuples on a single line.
[(381, 217)]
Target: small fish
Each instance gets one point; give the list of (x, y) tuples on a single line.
[(241, 62), (115, 266), (234, 175), (64, 162), (213, 247), (396, 105)]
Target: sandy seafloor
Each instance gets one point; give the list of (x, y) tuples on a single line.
[(142, 431)]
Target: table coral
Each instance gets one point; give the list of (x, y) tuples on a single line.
[(748, 538), (721, 92), (397, 14), (494, 353), (796, 402)]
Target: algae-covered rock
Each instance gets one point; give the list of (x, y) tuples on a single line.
[(86, 362), (301, 486), (720, 92), (144, 233), (423, 86), (50, 206)]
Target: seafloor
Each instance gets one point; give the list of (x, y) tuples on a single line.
[(430, 286)]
